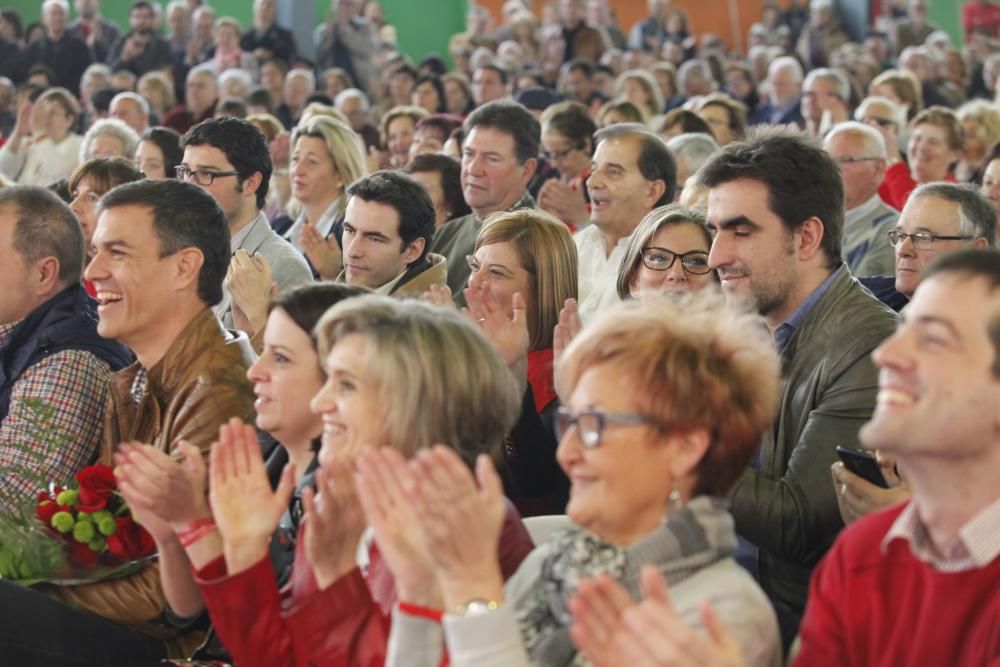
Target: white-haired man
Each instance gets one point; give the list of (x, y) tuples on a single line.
[(132, 109), (784, 91), (859, 151)]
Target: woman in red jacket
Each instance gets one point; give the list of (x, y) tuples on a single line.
[(404, 375)]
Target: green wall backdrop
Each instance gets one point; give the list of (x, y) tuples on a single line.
[(425, 25)]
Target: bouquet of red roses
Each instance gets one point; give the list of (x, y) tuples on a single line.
[(93, 521), (87, 534)]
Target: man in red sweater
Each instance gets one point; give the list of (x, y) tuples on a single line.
[(917, 584)]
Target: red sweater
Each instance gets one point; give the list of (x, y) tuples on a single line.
[(345, 625), (898, 184), (872, 609)]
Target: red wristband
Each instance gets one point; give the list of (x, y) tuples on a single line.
[(422, 612), (195, 530)]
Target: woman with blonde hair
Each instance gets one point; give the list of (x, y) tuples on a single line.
[(397, 129), (619, 111), (158, 90), (981, 131), (640, 88), (400, 376), (667, 254), (902, 87), (228, 52), (327, 156)]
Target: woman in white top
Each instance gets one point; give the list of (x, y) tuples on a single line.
[(327, 156), (665, 406), (46, 154)]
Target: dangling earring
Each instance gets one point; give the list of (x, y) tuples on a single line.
[(674, 503)]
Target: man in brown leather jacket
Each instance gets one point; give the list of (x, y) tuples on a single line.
[(776, 203), (162, 248)]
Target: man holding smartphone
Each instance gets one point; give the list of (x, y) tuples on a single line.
[(776, 203), (916, 584), (938, 218)]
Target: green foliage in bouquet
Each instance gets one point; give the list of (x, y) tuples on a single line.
[(26, 552)]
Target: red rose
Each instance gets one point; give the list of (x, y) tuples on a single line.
[(130, 540), (81, 553), (97, 486), (47, 508)]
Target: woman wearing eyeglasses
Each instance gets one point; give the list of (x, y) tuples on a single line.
[(667, 404), (567, 138), (668, 254)]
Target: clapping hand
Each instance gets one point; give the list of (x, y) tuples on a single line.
[(509, 334), (251, 288), (323, 253), (563, 201), (439, 295), (570, 325), (460, 522), (649, 634), (246, 510), (333, 522), (164, 494), (385, 485)]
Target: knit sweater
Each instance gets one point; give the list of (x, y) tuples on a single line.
[(874, 607)]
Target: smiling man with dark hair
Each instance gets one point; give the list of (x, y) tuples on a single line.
[(776, 204), (161, 252)]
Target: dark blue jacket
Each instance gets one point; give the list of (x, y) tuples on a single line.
[(68, 321)]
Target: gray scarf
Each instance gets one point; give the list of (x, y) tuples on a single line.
[(693, 538)]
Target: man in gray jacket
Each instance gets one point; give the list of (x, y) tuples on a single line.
[(776, 203), (228, 158)]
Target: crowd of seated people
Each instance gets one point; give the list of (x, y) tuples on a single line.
[(544, 353)]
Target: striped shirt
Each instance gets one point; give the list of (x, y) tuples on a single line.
[(73, 382), (977, 546)]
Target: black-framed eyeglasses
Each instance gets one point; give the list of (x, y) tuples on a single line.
[(591, 423), (881, 122), (552, 156), (847, 159), (922, 240), (661, 259), (200, 176)]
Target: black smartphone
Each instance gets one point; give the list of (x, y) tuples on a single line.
[(863, 464)]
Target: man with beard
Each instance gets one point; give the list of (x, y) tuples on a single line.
[(776, 204), (141, 50)]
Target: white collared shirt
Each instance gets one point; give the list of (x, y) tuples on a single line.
[(977, 546), (598, 289), (324, 225)]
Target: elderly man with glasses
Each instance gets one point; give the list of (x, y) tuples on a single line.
[(939, 218), (859, 150)]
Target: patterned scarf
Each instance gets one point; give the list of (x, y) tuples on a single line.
[(693, 538)]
